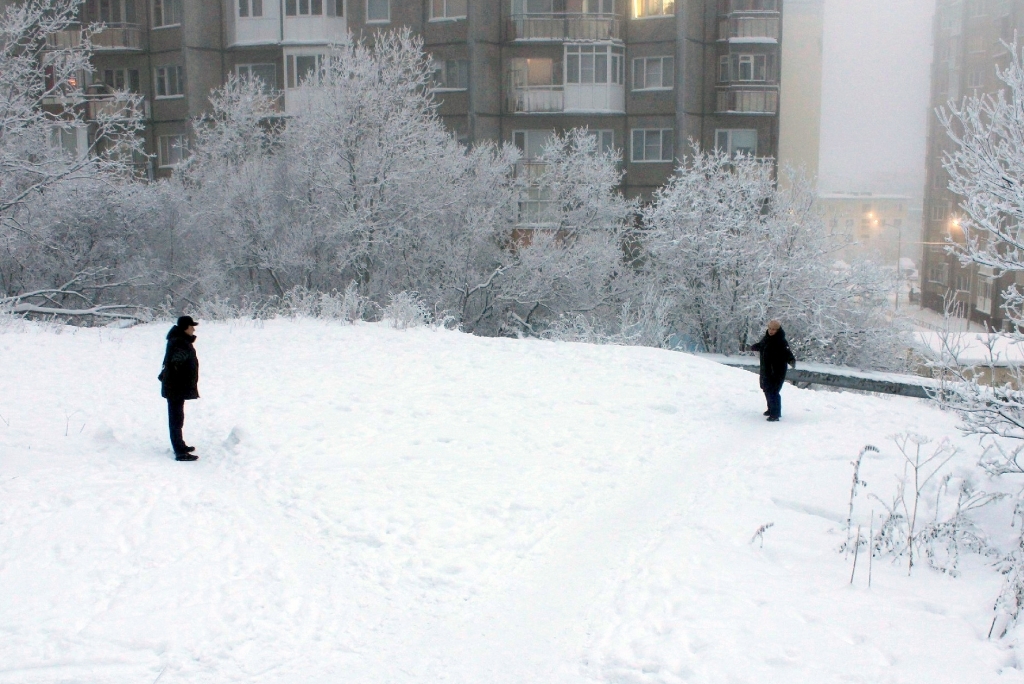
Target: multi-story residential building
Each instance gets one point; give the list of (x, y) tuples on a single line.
[(969, 45), (174, 52), (644, 77)]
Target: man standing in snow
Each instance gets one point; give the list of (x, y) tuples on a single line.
[(179, 382), (775, 354)]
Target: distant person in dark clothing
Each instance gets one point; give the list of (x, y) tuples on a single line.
[(179, 382), (775, 355)]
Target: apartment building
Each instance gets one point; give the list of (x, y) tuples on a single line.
[(174, 52), (969, 45), (645, 76)]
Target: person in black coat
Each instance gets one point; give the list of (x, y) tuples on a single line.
[(775, 355), (179, 381)]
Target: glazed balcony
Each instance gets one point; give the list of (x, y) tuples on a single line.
[(747, 100), (749, 29), (113, 38), (569, 98), (565, 26), (734, 6)]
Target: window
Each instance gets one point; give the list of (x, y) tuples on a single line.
[(939, 272), (170, 81), (448, 9), (652, 145), (72, 141), (265, 73), (378, 10), (304, 8), (451, 74), (736, 141), (976, 77), (653, 73), (605, 140), (599, 6), (112, 12), (653, 8), (746, 68), (586, 64), (250, 8), (976, 44), (983, 302), (122, 79), (963, 281), (535, 71), (166, 13), (173, 149), (532, 143), (938, 211), (300, 68)]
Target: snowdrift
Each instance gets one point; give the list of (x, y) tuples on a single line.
[(373, 505)]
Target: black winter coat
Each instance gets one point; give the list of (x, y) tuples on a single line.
[(179, 378), (775, 355)]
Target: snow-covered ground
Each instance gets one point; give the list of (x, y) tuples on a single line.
[(424, 506)]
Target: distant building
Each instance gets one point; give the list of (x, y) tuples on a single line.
[(800, 106), (968, 38), (877, 227), (644, 77)]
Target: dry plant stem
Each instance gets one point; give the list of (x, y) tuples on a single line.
[(856, 552), (871, 545)]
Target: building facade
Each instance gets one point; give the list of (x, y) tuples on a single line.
[(969, 46), (646, 76)]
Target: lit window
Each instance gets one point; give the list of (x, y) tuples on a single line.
[(652, 145), (653, 8), (653, 73), (448, 9)]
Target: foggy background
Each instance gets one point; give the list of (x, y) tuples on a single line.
[(875, 89)]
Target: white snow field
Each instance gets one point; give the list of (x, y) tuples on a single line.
[(382, 506)]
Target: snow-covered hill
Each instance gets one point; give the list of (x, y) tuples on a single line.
[(375, 506)]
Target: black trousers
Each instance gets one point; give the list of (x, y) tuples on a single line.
[(176, 421), (774, 399)]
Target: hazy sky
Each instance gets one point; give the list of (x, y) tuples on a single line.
[(877, 55)]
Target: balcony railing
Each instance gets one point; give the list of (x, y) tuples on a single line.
[(536, 99), (747, 101), (749, 29), (112, 107), (565, 26), (112, 37)]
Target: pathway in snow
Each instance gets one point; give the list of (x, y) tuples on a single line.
[(423, 506)]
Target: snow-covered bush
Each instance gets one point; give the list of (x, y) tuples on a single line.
[(732, 249), (406, 310)]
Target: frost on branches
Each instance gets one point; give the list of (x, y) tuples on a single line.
[(732, 250), (59, 220)]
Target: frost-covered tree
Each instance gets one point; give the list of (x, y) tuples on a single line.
[(49, 260), (731, 250), (986, 168)]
